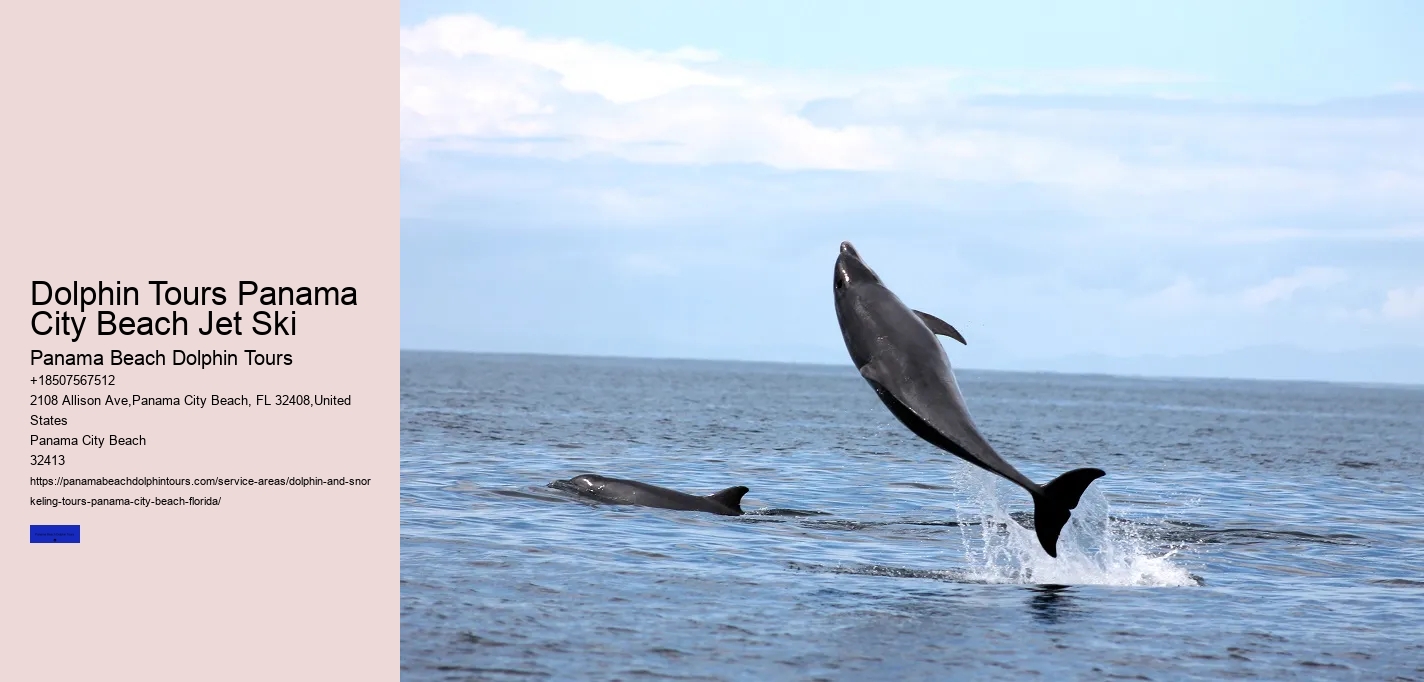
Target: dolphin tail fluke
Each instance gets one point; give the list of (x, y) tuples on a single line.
[(1054, 505), (731, 497)]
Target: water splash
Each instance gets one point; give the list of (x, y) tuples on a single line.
[(1092, 550)]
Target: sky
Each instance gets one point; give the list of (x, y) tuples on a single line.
[(1219, 189)]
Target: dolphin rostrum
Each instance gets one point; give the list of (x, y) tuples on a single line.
[(896, 351), (622, 491)]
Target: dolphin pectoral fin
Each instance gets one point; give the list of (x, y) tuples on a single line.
[(872, 373), (941, 327), (731, 497), (881, 381)]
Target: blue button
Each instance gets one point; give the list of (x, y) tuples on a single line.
[(54, 534)]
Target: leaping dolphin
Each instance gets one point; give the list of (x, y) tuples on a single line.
[(896, 351), (622, 491)]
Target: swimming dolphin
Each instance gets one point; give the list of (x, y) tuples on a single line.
[(622, 491), (896, 351)]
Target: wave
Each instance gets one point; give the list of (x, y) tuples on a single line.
[(1092, 550)]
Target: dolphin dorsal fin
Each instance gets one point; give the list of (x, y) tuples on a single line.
[(731, 497), (941, 327)]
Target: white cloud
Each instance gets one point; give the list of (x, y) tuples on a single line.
[(614, 73), (1282, 288), (1181, 296), (1185, 297), (1089, 138), (470, 83), (1404, 303), (485, 86), (1363, 233), (1092, 209)]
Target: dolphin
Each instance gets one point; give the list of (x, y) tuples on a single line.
[(895, 349), (622, 491)]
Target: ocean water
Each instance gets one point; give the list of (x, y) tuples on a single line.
[(1245, 529)]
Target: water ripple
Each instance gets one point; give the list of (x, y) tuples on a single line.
[(1245, 529)]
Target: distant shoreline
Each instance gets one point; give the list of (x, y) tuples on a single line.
[(846, 367)]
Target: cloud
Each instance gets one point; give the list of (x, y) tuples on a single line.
[(614, 73), (469, 84), (1184, 296), (1091, 138), (1366, 233), (1069, 210), (1181, 296), (1282, 288), (1404, 303)]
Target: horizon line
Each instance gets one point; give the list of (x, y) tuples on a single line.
[(1364, 384)]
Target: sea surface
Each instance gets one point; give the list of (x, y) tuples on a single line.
[(1245, 529)]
